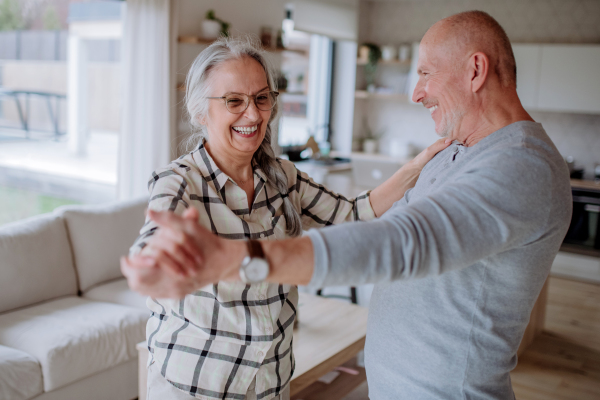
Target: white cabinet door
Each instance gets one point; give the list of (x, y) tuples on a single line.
[(570, 78), (528, 58)]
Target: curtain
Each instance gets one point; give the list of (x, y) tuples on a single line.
[(147, 92)]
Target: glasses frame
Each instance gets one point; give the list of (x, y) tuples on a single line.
[(248, 97)]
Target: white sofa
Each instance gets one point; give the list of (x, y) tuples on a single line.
[(68, 322)]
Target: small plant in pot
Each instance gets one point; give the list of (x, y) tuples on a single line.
[(370, 139), (212, 26), (371, 66)]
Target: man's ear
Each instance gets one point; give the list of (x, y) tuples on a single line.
[(478, 67)]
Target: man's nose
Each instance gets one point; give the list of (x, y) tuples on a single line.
[(419, 92)]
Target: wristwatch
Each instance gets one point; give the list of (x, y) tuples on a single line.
[(255, 267)]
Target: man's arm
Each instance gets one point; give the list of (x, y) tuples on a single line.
[(485, 212)]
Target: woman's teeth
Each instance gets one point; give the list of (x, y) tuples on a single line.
[(245, 130), (432, 109)]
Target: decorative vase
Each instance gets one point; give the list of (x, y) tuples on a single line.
[(210, 29), (370, 146)]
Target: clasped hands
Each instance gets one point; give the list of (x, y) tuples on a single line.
[(181, 257)]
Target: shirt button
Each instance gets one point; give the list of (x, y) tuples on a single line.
[(261, 297), (260, 354), (262, 235)]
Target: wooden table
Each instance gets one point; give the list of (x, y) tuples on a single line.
[(330, 333)]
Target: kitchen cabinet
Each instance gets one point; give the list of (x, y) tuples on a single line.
[(569, 78), (561, 78), (528, 58)]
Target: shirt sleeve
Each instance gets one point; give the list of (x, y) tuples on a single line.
[(493, 206), (168, 192), (320, 207)]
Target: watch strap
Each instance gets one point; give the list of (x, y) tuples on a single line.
[(255, 249)]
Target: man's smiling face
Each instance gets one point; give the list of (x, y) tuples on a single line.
[(441, 87)]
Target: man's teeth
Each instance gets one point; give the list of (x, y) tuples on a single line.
[(245, 130), (432, 109)]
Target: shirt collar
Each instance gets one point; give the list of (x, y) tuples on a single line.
[(214, 176)]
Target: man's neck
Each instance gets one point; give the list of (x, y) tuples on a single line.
[(490, 117)]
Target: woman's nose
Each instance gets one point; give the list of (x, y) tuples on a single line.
[(252, 112)]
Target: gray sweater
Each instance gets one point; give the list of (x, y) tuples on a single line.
[(459, 263)]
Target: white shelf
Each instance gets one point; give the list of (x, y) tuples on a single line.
[(361, 61), (363, 94), (199, 40)]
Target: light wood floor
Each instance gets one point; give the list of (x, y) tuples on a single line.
[(564, 362)]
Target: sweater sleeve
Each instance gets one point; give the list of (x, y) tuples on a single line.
[(500, 202)]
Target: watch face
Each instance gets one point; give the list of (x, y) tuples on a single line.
[(257, 270)]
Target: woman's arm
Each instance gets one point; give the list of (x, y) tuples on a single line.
[(392, 190)]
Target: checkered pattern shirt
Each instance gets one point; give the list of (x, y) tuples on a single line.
[(215, 341)]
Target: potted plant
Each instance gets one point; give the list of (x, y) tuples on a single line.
[(212, 26), (370, 139), (371, 66)]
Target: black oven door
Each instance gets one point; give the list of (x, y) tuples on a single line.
[(584, 228)]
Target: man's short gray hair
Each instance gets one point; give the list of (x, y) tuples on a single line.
[(198, 88), (481, 29)]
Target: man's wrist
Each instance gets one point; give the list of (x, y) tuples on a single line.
[(235, 251)]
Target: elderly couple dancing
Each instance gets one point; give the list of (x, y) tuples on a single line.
[(459, 241)]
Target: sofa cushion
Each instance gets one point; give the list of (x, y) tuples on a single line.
[(73, 338), (36, 263), (20, 375), (117, 292), (100, 234)]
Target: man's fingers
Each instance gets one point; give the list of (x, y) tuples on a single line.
[(181, 248), (166, 218), (191, 213)]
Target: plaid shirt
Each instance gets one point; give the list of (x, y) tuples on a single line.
[(215, 341)]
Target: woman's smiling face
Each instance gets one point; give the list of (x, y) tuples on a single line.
[(236, 135)]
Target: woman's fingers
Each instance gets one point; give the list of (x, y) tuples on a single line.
[(426, 155), (165, 261), (181, 248)]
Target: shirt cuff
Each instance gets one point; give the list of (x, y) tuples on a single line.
[(363, 206), (321, 260)]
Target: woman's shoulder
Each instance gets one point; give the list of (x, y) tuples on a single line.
[(182, 167), (289, 168)]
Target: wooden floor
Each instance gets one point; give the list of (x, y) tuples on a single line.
[(564, 362)]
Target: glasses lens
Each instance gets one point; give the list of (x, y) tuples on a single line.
[(235, 104), (265, 101)]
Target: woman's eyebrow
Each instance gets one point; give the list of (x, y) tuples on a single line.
[(259, 91)]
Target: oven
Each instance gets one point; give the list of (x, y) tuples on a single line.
[(584, 231)]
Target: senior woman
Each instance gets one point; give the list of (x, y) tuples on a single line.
[(233, 340)]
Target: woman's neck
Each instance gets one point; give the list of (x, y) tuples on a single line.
[(237, 167)]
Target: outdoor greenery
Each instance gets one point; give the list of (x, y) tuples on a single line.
[(10, 15), (16, 204)]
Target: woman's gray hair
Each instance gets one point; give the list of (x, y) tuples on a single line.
[(198, 88)]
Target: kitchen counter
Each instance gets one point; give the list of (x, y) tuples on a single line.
[(585, 184)]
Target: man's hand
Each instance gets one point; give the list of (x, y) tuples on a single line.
[(181, 257)]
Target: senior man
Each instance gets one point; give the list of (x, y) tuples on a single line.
[(458, 262)]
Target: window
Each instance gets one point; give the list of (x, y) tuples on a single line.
[(59, 104)]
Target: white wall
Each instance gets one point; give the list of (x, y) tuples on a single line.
[(532, 21)]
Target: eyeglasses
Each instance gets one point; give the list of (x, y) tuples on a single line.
[(237, 103)]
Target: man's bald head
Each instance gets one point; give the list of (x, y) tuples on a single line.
[(476, 31)]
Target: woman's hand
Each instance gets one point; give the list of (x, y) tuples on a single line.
[(173, 246), (426, 155), (182, 259), (392, 190)]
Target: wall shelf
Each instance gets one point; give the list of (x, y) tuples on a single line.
[(363, 94), (362, 61), (198, 40)]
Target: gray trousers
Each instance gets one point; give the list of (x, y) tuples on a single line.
[(160, 389)]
